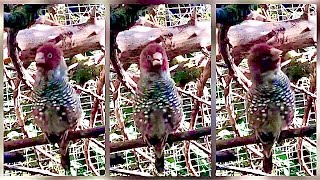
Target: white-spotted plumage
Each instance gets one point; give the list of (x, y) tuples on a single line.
[(57, 107), (157, 102), (270, 101)]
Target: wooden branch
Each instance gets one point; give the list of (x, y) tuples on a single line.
[(178, 40), (75, 39), (30, 170), (179, 136), (286, 134), (97, 131), (40, 140), (284, 35)]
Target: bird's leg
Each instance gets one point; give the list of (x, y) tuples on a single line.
[(64, 142), (46, 137), (65, 135), (146, 140)]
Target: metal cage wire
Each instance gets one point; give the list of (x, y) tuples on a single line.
[(46, 157), (175, 165), (285, 157)]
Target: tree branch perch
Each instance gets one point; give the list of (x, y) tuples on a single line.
[(40, 140), (179, 136)]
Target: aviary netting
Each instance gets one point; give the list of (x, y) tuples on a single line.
[(291, 28), (83, 45), (185, 30)]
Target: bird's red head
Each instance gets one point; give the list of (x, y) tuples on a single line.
[(264, 57), (153, 58), (48, 56)]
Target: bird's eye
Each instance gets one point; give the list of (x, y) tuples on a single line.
[(148, 57), (49, 55)]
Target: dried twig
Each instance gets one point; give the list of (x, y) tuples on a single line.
[(122, 76), (304, 91), (200, 86), (19, 115), (304, 122), (234, 71), (93, 117), (232, 116), (99, 91), (12, 47), (88, 157), (194, 96), (89, 92), (200, 146), (120, 120)]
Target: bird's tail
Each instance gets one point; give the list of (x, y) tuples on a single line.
[(63, 147), (268, 139), (267, 159), (159, 162)]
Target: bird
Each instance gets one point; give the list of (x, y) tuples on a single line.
[(57, 108), (158, 106), (233, 14), (270, 99)]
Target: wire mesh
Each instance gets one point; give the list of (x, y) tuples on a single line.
[(69, 14), (86, 159), (140, 159), (282, 12), (285, 155)]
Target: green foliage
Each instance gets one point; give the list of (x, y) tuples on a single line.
[(297, 70), (298, 67), (85, 71), (186, 71), (183, 77)]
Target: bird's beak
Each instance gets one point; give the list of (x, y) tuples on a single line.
[(40, 58), (157, 59)]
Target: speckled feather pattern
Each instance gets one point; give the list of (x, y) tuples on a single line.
[(57, 107), (157, 100), (267, 99)]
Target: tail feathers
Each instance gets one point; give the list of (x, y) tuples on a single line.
[(63, 147), (267, 159), (160, 164), (158, 145)]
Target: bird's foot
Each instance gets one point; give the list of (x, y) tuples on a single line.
[(65, 135), (46, 137)]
